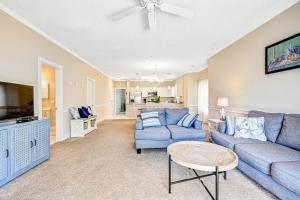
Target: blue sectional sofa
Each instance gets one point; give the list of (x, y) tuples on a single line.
[(169, 132), (274, 164)]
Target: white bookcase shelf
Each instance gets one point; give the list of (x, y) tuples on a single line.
[(81, 127)]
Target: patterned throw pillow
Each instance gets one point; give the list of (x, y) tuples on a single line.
[(148, 115), (74, 112), (151, 122), (187, 120), (250, 128)]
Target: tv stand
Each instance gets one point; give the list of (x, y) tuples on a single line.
[(24, 146)]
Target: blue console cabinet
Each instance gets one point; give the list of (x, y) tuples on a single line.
[(22, 147)]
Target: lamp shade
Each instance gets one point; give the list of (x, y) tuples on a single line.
[(223, 102)]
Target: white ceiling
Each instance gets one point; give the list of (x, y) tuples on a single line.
[(124, 48)]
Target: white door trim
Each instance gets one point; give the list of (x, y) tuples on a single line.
[(58, 96)]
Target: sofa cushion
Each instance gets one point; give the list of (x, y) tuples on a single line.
[(287, 174), (230, 124), (161, 114), (222, 127), (197, 125), (174, 115), (139, 124), (153, 133), (261, 156), (273, 123), (290, 132), (182, 133), (230, 141)]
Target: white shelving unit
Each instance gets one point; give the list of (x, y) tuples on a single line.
[(81, 127)]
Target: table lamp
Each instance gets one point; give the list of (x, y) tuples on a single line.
[(223, 102)]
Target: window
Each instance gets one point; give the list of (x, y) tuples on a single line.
[(203, 99)]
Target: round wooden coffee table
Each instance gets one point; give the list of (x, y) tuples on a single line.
[(202, 156)]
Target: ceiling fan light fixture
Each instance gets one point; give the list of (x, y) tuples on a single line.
[(151, 6)]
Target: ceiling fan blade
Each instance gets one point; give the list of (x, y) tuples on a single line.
[(152, 21), (126, 13), (176, 10)]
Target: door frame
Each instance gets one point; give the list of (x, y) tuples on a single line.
[(58, 96), (115, 104)]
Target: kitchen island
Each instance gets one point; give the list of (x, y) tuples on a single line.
[(133, 109)]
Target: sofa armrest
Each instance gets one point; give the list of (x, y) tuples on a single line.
[(222, 127), (139, 124), (197, 125)]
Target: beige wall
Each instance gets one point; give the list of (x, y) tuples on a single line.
[(120, 84), (203, 74), (19, 50), (187, 87), (237, 72)]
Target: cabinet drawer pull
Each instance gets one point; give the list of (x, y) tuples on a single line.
[(31, 144), (35, 141), (7, 153)]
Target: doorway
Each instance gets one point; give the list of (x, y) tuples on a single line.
[(120, 95), (50, 97)]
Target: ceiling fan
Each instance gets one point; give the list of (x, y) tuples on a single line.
[(151, 6)]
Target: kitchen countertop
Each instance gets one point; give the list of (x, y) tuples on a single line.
[(151, 104), (133, 109)]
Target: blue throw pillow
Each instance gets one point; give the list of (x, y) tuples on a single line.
[(151, 122), (82, 113), (86, 110)]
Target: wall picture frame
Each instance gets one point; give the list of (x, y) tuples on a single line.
[(283, 55)]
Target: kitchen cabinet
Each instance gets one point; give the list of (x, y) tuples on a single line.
[(166, 91)]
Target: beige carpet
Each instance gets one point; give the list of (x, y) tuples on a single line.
[(104, 165)]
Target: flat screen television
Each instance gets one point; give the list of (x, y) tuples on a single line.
[(15, 101)]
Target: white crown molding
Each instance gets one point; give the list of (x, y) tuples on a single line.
[(25, 22)]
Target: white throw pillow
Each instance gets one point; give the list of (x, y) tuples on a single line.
[(74, 112), (250, 128), (148, 115), (151, 122), (230, 124)]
